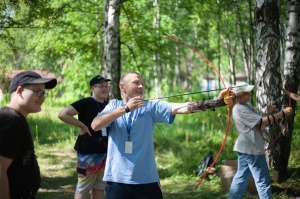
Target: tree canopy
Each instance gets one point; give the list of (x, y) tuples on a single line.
[(66, 37)]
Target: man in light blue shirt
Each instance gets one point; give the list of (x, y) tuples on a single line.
[(130, 170)]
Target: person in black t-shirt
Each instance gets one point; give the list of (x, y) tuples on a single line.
[(19, 171), (91, 146)]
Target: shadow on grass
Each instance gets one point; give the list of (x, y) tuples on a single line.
[(185, 190), (193, 195), (58, 171), (290, 186), (189, 193), (55, 195), (57, 187)]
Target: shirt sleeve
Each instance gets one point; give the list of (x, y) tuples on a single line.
[(245, 116), (161, 111)]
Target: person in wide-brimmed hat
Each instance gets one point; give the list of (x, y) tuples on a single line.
[(250, 144)]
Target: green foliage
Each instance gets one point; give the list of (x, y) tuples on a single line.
[(4, 100), (190, 138), (67, 38), (68, 44), (46, 128)]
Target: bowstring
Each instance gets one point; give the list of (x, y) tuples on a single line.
[(192, 93), (228, 121), (169, 145)]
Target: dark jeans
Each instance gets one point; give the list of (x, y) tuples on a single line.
[(133, 191)]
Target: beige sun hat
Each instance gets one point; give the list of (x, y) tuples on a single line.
[(242, 87)]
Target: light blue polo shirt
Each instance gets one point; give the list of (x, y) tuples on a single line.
[(140, 166)]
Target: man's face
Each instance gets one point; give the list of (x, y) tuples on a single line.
[(133, 86), (32, 96), (101, 90)]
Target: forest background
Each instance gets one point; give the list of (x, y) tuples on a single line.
[(75, 40)]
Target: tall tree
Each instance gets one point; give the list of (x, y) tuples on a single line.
[(291, 77), (112, 47), (156, 55), (268, 70), (246, 36)]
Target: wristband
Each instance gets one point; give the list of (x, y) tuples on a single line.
[(273, 118), (127, 110), (260, 123), (269, 119)]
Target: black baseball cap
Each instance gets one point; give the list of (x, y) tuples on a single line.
[(98, 79), (30, 77)]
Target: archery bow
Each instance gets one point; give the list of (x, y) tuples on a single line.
[(228, 108), (192, 93)]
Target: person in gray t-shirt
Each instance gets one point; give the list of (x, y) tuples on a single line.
[(250, 144)]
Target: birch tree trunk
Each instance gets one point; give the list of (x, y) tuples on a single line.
[(156, 55), (247, 42), (231, 67), (112, 46), (251, 46), (268, 70), (291, 78), (100, 37)]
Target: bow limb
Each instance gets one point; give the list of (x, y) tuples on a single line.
[(285, 122), (228, 107), (219, 152), (201, 55)]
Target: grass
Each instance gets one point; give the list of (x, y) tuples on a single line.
[(179, 149), (54, 142), (58, 174)]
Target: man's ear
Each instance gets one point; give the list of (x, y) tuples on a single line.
[(121, 86), (19, 90)]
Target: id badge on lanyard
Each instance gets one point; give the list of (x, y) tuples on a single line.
[(128, 147), (128, 143), (104, 132)]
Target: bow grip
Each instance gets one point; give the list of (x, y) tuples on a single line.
[(227, 94)]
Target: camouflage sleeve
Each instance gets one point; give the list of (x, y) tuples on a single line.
[(205, 104)]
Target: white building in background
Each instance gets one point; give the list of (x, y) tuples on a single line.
[(210, 82)]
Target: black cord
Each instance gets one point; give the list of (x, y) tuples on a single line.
[(273, 118), (269, 119)]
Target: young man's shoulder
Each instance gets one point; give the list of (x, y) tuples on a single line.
[(6, 113), (82, 101), (85, 99)]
